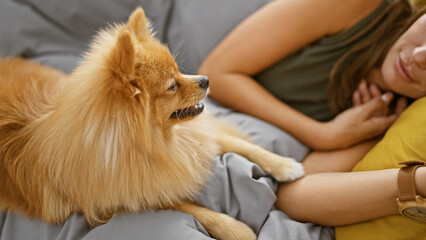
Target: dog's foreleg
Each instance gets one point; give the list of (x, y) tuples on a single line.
[(281, 168), (219, 225)]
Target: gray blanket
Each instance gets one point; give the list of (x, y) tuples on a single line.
[(57, 32)]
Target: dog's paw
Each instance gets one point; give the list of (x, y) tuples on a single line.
[(286, 169), (294, 172), (228, 228)]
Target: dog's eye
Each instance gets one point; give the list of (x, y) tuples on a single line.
[(173, 87)]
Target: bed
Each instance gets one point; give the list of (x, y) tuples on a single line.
[(57, 32)]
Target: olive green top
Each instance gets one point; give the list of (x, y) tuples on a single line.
[(300, 80)]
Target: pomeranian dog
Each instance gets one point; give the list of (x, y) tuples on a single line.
[(124, 132)]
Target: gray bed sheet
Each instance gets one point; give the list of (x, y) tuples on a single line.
[(56, 32)]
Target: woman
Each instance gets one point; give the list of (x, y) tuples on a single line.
[(306, 55)]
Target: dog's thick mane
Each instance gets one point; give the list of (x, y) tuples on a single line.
[(88, 150)]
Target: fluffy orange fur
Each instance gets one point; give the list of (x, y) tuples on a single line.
[(102, 140)]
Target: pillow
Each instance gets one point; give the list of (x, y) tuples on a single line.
[(56, 32), (196, 27), (405, 140)]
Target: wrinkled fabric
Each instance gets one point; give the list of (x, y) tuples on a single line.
[(56, 33)]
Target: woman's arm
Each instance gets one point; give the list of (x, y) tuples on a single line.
[(336, 199), (280, 28), (272, 33), (339, 160)]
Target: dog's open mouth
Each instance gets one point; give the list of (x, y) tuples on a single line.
[(188, 112)]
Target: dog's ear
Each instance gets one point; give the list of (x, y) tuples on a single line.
[(138, 23), (123, 55)]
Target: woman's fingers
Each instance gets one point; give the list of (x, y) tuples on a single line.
[(377, 105), (374, 90), (364, 91), (356, 98)]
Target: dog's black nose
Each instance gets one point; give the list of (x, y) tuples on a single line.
[(203, 82)]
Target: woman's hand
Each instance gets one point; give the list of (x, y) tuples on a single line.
[(369, 117), (359, 123), (366, 92)]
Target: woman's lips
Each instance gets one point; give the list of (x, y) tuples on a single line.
[(400, 66)]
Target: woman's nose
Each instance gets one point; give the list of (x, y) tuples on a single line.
[(419, 56)]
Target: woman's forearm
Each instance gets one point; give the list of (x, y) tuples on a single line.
[(336, 199), (244, 94), (342, 160)]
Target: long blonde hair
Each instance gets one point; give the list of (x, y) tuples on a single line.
[(369, 53)]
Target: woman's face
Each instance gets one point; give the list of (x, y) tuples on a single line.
[(404, 68)]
